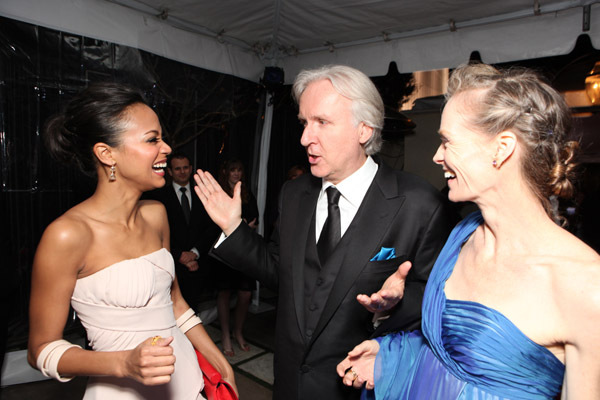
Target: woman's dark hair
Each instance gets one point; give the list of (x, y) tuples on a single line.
[(97, 114), (224, 178)]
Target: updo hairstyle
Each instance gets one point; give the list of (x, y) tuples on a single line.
[(97, 114), (519, 100)]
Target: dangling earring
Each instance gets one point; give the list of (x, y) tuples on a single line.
[(112, 176)]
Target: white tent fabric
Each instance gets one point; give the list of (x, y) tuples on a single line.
[(261, 191), (240, 37), (265, 145), (104, 20), (529, 37)]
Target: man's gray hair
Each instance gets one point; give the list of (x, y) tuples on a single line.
[(367, 105)]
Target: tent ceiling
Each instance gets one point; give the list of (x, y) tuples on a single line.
[(241, 37), (310, 25)]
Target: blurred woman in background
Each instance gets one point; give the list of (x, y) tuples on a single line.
[(228, 279)]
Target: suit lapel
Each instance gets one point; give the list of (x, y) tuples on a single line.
[(196, 203), (363, 238), (305, 210)]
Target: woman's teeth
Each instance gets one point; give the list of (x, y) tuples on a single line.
[(449, 175)]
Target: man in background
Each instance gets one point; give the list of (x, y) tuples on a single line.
[(188, 223)]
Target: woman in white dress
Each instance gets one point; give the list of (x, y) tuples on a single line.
[(108, 257)]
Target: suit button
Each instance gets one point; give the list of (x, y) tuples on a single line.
[(313, 307), (305, 368), (309, 332), (319, 281)]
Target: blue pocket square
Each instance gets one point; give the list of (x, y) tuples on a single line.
[(384, 254)]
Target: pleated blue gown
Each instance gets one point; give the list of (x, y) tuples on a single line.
[(466, 350)]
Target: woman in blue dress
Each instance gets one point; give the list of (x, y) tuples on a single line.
[(512, 306)]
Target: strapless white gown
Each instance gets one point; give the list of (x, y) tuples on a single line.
[(124, 304)]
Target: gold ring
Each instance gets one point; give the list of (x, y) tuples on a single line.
[(154, 340), (354, 375)]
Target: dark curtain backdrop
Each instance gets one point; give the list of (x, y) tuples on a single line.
[(286, 150)]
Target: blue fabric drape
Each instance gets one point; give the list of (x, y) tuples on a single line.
[(466, 351)]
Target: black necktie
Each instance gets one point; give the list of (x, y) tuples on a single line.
[(185, 205), (332, 231)]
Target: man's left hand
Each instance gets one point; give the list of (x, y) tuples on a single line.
[(390, 293)]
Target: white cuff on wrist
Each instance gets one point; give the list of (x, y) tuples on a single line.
[(47, 361), (188, 320)]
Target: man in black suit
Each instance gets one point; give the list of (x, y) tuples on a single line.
[(188, 222), (331, 245)]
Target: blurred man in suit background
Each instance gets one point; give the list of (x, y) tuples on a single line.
[(188, 224)]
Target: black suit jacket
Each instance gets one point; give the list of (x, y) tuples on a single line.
[(400, 211), (199, 233)]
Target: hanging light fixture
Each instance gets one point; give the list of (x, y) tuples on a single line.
[(592, 84)]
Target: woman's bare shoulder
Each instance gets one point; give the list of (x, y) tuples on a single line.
[(151, 206), (575, 259), (578, 301), (576, 282), (71, 229), (154, 213), (65, 242), (152, 209)]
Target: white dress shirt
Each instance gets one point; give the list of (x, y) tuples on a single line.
[(353, 190), (188, 194)]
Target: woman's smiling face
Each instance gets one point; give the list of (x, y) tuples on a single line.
[(465, 154), (141, 158)]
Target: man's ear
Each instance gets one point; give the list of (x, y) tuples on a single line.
[(365, 133), (103, 153), (506, 143), (169, 171)]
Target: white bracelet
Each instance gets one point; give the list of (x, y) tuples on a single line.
[(47, 361), (188, 320), (190, 323), (185, 316)]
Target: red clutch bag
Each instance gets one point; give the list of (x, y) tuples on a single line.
[(215, 388)]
